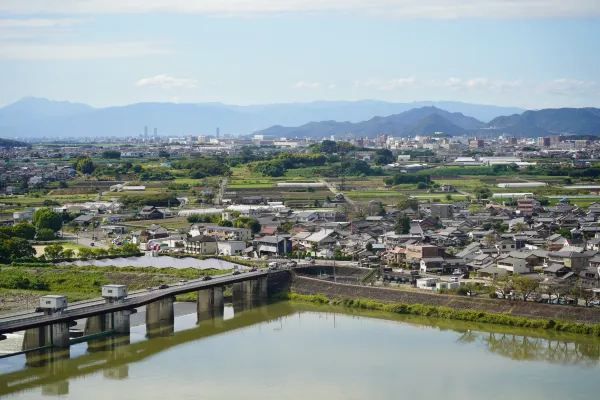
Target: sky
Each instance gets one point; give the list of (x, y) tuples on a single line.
[(526, 53)]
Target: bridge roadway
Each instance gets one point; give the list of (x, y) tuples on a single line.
[(33, 320)]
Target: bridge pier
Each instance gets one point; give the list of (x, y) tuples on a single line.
[(210, 303), (250, 293), (121, 322), (160, 318), (56, 335)]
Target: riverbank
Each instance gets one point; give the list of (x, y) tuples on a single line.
[(21, 286), (519, 314)]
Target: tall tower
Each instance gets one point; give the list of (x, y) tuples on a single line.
[(218, 132), (146, 132)]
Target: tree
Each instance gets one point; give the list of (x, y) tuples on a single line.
[(249, 223), (68, 253), (45, 218), (502, 285), (14, 248), (23, 230), (53, 252), (579, 291), (405, 202), (525, 286), (383, 157), (85, 165), (111, 154), (328, 147), (45, 234), (369, 246), (130, 249), (565, 232), (482, 192), (519, 227), (85, 252), (402, 225)]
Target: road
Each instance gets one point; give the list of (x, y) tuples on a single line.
[(334, 190), (19, 322)]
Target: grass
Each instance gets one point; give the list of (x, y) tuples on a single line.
[(81, 283), (452, 314)]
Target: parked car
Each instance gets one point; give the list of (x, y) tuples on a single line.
[(236, 272), (254, 269), (207, 278), (163, 286)]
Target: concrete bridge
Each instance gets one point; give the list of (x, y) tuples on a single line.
[(51, 327), (54, 367)]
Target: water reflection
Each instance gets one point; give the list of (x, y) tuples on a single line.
[(112, 355), (527, 348), (50, 370)]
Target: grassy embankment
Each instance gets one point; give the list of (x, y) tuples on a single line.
[(21, 286), (452, 314)]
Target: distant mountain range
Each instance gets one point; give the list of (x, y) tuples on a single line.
[(37, 117), (428, 120), (424, 120), (580, 121)]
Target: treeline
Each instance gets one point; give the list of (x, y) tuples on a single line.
[(332, 147), (238, 222), (14, 240), (493, 170), (398, 179), (203, 167), (156, 200), (281, 163), (555, 170), (353, 167)]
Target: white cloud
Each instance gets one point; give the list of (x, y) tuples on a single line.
[(42, 28), (68, 51), (570, 87), (38, 22), (307, 85), (164, 81), (479, 83), (436, 9), (387, 84)]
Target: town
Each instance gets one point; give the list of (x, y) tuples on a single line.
[(507, 218)]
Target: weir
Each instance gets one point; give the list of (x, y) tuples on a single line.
[(50, 329)]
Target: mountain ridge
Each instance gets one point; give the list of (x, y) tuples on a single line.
[(38, 117)]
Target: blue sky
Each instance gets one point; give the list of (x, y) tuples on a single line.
[(528, 53)]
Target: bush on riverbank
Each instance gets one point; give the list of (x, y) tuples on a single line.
[(449, 313)]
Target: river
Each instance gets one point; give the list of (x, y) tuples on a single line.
[(148, 260), (297, 351)]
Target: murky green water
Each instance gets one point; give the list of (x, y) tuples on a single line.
[(291, 351)]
